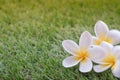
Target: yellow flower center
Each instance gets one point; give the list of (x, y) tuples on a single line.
[(82, 55), (103, 38), (110, 60)]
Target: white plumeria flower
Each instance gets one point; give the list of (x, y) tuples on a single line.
[(104, 34), (81, 53), (111, 60)]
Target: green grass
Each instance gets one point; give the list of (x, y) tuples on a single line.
[(31, 32)]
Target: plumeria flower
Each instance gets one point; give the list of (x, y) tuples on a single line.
[(110, 60), (81, 53), (104, 34)]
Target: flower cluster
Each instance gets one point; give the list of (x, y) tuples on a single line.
[(101, 49)]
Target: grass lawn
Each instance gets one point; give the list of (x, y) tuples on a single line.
[(31, 32)]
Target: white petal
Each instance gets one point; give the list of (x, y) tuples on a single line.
[(116, 70), (117, 51), (94, 39), (108, 47), (100, 68), (70, 61), (101, 28), (85, 40), (86, 66), (115, 36), (97, 53), (70, 46)]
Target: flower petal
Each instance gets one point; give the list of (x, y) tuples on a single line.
[(100, 68), (108, 47), (94, 39), (70, 61), (70, 46), (117, 51), (85, 40), (97, 53), (116, 70), (101, 28), (115, 36), (86, 66)]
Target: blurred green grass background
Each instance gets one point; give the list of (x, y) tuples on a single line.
[(31, 32)]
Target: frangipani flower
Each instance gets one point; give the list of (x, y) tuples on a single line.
[(81, 53), (104, 34), (111, 60)]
